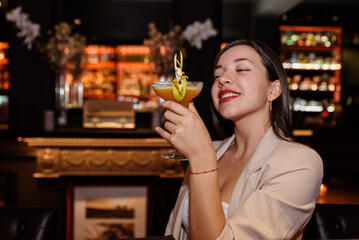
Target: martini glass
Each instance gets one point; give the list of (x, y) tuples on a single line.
[(164, 91)]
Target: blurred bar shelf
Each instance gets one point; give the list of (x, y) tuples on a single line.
[(312, 58)]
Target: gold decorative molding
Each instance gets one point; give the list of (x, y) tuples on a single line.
[(96, 142), (93, 156)]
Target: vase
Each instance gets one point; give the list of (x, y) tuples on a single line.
[(69, 94), (69, 91)]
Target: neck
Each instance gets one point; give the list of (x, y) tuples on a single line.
[(248, 134)]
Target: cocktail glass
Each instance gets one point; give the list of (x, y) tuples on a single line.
[(164, 91)]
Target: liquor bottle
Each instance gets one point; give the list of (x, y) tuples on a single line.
[(5, 80)]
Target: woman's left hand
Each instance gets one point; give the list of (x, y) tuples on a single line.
[(185, 130)]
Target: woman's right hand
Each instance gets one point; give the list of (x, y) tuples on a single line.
[(188, 134)]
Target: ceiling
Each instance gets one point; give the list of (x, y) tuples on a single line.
[(279, 7), (274, 7)]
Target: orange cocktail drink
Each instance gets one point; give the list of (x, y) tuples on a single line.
[(179, 90), (164, 91)]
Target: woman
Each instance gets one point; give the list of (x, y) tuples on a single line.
[(257, 183)]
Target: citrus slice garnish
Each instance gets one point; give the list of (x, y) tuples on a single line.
[(180, 81), (179, 90)]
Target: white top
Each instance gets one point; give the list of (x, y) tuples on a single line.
[(185, 214)]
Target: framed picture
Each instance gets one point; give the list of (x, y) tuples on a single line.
[(106, 212)]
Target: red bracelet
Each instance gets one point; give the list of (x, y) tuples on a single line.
[(196, 173)]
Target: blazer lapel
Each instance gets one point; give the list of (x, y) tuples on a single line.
[(265, 147), (241, 190)]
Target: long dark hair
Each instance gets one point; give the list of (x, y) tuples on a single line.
[(280, 115)]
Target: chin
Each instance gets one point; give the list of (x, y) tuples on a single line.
[(228, 115)]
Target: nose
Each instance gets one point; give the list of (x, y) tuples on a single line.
[(224, 79)]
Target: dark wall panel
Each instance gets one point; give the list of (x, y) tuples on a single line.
[(236, 20), (118, 21)]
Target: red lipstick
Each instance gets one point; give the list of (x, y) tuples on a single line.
[(227, 95)]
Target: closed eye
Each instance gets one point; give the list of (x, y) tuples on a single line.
[(243, 69), (217, 74)]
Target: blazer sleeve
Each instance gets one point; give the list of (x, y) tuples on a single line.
[(285, 190)]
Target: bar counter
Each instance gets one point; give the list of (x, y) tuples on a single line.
[(94, 152)]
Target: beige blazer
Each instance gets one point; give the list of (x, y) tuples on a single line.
[(273, 198)]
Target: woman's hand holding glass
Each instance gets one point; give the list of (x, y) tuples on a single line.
[(185, 130)]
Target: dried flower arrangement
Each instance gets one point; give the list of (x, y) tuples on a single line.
[(164, 46), (64, 49)]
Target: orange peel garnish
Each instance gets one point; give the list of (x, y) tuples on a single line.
[(180, 81)]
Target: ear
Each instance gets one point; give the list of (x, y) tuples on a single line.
[(275, 90)]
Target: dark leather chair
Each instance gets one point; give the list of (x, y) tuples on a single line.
[(333, 221), (27, 223)]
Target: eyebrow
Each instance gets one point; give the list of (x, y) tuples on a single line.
[(242, 59), (236, 60)]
